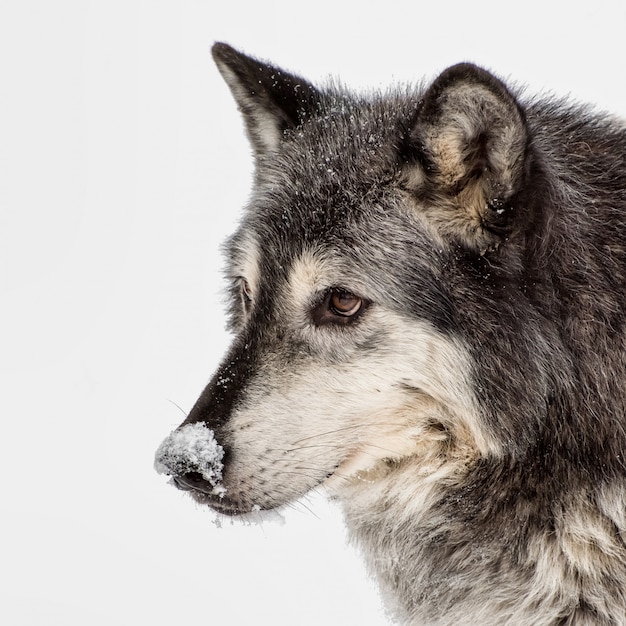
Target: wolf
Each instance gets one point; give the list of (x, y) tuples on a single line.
[(428, 302)]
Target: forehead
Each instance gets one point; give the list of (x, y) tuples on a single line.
[(351, 144), (329, 175)]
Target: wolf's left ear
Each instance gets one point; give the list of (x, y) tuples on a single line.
[(467, 154), (270, 100)]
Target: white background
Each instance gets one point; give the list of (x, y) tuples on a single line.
[(123, 165)]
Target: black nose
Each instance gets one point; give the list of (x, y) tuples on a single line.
[(193, 482)]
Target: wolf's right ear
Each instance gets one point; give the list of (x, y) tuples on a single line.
[(270, 100), (467, 156)]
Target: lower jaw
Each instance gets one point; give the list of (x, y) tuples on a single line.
[(344, 474), (220, 504)]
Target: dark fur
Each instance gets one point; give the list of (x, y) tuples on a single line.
[(528, 270)]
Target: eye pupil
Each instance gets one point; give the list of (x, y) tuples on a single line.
[(344, 303)]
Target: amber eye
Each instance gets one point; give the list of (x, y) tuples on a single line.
[(344, 303), (338, 307)]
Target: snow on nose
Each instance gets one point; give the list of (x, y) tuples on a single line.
[(192, 450)]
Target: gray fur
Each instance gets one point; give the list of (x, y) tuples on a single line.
[(427, 295)]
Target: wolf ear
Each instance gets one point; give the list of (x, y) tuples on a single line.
[(270, 100), (466, 156)]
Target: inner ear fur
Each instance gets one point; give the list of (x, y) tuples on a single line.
[(270, 99), (466, 156)]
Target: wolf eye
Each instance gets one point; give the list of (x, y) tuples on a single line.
[(344, 303), (338, 306)]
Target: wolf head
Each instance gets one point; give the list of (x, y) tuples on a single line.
[(376, 278)]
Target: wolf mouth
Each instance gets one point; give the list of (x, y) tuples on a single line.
[(193, 484), (219, 500)]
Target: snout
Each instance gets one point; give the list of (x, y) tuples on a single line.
[(193, 458)]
